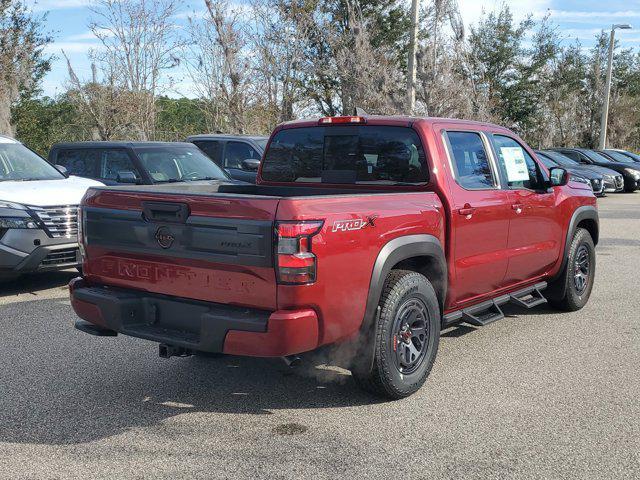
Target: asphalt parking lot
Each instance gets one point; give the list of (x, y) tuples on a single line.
[(536, 395)]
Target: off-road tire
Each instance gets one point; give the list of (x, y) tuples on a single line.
[(571, 299), (383, 377)]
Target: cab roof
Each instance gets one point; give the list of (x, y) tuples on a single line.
[(224, 136), (5, 139), (393, 120), (119, 144)]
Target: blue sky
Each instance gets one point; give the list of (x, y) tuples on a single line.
[(582, 19)]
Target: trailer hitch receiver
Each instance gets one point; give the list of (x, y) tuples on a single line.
[(168, 351)]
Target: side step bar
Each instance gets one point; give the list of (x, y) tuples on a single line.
[(489, 311), (528, 300), (481, 315)]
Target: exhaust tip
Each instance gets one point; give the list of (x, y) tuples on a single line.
[(292, 361)]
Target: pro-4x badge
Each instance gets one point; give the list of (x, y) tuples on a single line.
[(354, 224)]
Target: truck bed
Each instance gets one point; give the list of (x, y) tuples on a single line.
[(208, 189)]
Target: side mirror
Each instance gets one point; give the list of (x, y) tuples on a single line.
[(251, 164), (127, 177), (558, 177), (62, 170)]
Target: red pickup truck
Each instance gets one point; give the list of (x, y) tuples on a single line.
[(372, 233)]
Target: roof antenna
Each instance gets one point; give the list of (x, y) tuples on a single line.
[(359, 112)]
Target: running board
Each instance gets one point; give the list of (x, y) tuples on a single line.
[(489, 311)]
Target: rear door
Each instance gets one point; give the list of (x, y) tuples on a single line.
[(536, 227), (480, 213), (183, 241)]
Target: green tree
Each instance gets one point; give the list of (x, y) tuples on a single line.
[(496, 62), (41, 122), (23, 62), (179, 118)]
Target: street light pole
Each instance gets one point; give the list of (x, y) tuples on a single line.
[(607, 89), (411, 74)]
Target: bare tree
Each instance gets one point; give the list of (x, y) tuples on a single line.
[(22, 61), (108, 109), (139, 45), (279, 48), (219, 66), (342, 68), (441, 87)]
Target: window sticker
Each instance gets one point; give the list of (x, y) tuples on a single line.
[(515, 164)]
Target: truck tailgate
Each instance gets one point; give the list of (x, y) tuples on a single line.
[(216, 247)]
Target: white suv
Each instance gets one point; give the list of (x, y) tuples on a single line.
[(38, 212)]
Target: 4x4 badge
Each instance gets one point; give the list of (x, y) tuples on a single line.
[(164, 237)]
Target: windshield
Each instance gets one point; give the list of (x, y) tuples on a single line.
[(546, 161), (619, 157), (178, 164), (561, 159), (18, 163), (372, 155), (635, 156), (596, 157), (262, 142)]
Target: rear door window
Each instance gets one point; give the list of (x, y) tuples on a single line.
[(114, 162), (346, 154), (470, 161), (212, 148), (81, 162), (236, 152)]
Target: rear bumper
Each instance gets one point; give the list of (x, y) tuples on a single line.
[(194, 325)]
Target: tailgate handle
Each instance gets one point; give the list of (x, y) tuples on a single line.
[(165, 212)]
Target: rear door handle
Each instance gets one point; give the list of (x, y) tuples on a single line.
[(467, 210), (517, 207)]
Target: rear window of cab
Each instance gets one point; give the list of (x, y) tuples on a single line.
[(378, 155)]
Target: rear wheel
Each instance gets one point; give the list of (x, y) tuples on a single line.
[(576, 281), (406, 337)]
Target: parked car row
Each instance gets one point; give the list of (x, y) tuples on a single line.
[(605, 170)]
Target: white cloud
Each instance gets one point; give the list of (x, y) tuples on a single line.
[(71, 47), (235, 7), (88, 35), (591, 16), (47, 5), (471, 10), (191, 14)]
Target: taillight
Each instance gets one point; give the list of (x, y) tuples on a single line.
[(296, 263), (81, 234), (346, 119)]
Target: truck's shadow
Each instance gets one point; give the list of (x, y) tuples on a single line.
[(34, 283), (60, 386)]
